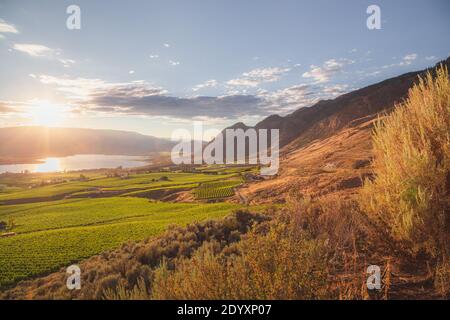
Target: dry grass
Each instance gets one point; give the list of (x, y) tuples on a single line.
[(277, 263), (441, 280), (312, 250), (409, 195)]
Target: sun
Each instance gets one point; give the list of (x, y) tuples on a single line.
[(44, 113)]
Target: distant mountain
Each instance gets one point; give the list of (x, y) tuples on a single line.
[(327, 148), (327, 117), (37, 142)]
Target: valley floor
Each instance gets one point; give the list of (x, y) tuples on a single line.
[(53, 220)]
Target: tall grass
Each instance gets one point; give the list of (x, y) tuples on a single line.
[(297, 254), (410, 192), (283, 262)]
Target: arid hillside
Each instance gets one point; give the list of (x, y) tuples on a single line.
[(334, 164), (326, 148), (327, 117)]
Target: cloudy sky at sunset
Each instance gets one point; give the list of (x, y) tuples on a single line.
[(153, 66)]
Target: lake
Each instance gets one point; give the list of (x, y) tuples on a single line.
[(78, 162)]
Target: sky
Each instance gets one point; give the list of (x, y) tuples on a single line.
[(156, 66)]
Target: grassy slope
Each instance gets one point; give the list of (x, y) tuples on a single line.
[(141, 181), (217, 189), (52, 235)]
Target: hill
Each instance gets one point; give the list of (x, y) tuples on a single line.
[(30, 143), (326, 148), (327, 117)]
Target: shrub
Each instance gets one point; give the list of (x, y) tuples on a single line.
[(412, 169), (277, 260), (122, 273)]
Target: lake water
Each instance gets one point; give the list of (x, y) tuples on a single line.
[(78, 162)]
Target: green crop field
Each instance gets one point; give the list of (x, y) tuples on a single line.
[(55, 234), (56, 219), (216, 190), (129, 184)]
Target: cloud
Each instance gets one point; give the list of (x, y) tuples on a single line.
[(7, 27), (34, 50), (174, 63), (176, 107), (74, 88), (289, 99), (257, 76), (166, 45), (12, 107), (153, 56), (405, 61), (82, 89), (5, 109), (207, 84), (67, 63), (408, 59), (372, 74), (335, 90), (430, 58), (41, 51), (140, 98), (131, 72), (327, 70)]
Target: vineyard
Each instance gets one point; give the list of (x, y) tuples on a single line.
[(137, 182), (53, 220), (216, 190), (55, 235)]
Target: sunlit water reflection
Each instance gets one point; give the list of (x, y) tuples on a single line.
[(77, 162)]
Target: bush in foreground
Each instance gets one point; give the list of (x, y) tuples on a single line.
[(281, 262), (410, 193)]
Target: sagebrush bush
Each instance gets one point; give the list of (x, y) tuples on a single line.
[(123, 272), (291, 256), (410, 192), (277, 260)]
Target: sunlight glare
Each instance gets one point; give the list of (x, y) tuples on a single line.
[(49, 165), (44, 113)]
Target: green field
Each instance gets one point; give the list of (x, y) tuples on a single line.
[(216, 190), (55, 219), (51, 235), (137, 182)]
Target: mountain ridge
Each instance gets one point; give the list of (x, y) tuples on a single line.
[(332, 155), (34, 142), (327, 117)]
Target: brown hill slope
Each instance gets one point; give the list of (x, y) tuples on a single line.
[(334, 164), (327, 117), (326, 148)]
